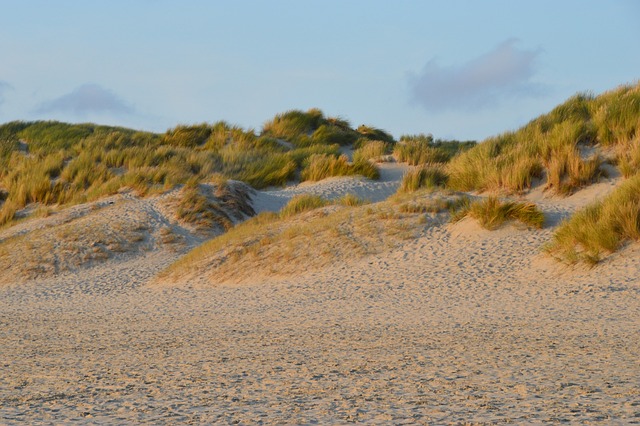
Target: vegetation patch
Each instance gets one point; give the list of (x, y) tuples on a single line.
[(302, 203), (422, 149), (321, 166), (371, 150), (278, 244), (601, 228), (492, 213), (79, 243), (551, 145), (425, 177)]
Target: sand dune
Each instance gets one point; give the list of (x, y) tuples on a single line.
[(456, 325)]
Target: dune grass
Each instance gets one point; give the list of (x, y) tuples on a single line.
[(321, 166), (425, 177), (278, 244), (491, 213), (628, 157), (553, 145), (194, 207), (423, 149), (601, 228), (350, 200), (371, 150), (302, 203), (56, 163)]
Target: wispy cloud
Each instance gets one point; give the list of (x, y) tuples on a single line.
[(88, 99), (486, 80)]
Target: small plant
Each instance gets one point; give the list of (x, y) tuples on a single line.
[(322, 166), (492, 213), (199, 210), (371, 151), (302, 203), (428, 177), (374, 134), (350, 200), (628, 157)]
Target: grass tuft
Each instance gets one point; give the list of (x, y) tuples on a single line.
[(322, 166), (302, 203), (600, 228), (492, 213), (426, 177)]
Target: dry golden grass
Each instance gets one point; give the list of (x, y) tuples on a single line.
[(270, 245), (492, 213), (601, 228), (77, 243)]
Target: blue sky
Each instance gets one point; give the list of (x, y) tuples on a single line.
[(456, 69)]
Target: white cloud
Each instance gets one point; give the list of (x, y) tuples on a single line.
[(486, 80), (88, 99)]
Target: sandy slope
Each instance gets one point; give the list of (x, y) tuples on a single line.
[(458, 325)]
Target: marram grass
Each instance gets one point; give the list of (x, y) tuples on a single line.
[(491, 213), (600, 228)]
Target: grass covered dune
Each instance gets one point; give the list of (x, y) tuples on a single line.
[(52, 163)]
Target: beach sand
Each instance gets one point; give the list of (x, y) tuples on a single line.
[(459, 325)]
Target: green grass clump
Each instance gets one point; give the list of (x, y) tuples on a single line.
[(196, 208), (371, 150), (600, 228), (331, 134), (492, 213), (423, 149), (322, 166), (431, 205), (552, 143), (350, 200), (291, 124), (428, 177), (375, 134), (302, 203), (628, 157)]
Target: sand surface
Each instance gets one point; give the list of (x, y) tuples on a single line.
[(458, 325)]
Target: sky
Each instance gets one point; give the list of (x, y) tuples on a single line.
[(454, 69)]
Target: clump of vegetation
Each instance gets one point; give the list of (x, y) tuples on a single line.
[(350, 200), (310, 128), (423, 149), (425, 177), (374, 134), (555, 143), (196, 208), (628, 157), (600, 228), (371, 150), (492, 213), (302, 203), (322, 166), (252, 249), (432, 205)]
